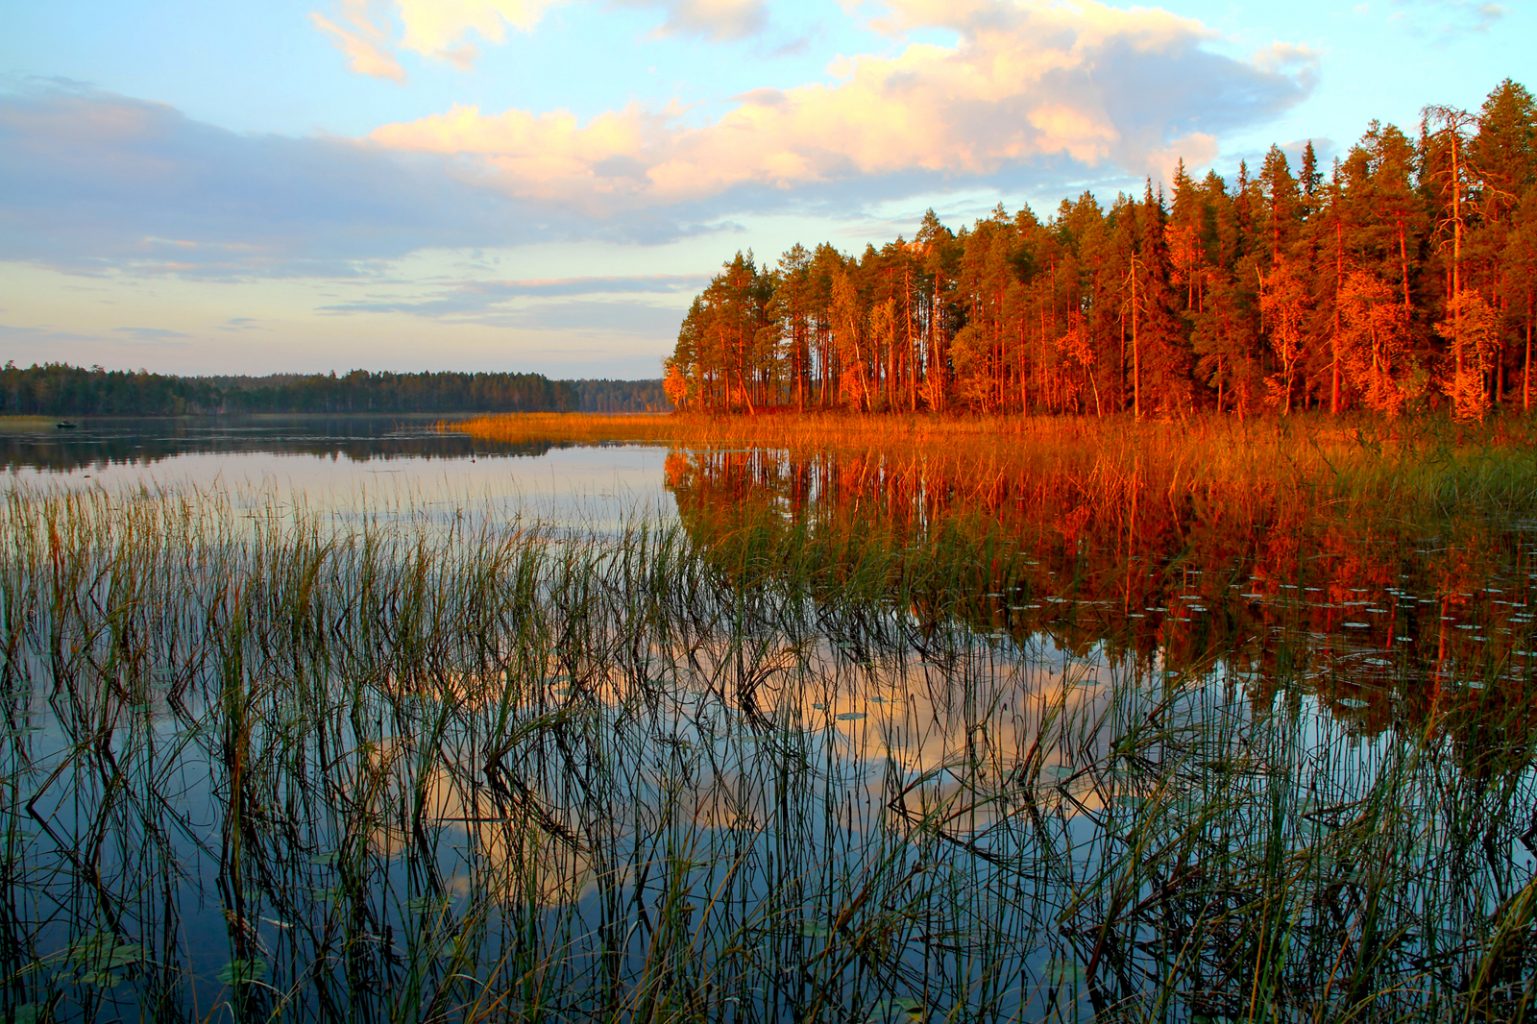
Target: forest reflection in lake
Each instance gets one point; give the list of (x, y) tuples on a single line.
[(1381, 614), (848, 737)]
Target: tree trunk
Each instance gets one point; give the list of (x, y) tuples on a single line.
[(1526, 375), (1334, 341), (1136, 358)]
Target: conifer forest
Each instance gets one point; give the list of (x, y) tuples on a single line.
[(1400, 277)]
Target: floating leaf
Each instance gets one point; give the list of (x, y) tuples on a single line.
[(243, 971), (851, 716), (898, 1008), (1068, 972), (99, 958), (425, 904)]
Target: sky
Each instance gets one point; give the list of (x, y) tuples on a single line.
[(544, 185)]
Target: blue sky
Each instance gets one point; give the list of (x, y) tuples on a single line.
[(544, 184)]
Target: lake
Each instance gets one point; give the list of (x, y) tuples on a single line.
[(314, 719), (340, 465)]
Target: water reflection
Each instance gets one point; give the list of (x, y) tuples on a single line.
[(1388, 620)]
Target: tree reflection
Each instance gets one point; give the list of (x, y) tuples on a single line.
[(1388, 618)]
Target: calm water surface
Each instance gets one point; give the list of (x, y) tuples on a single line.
[(1162, 759), (344, 466)]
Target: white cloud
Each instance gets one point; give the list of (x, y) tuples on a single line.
[(438, 28)]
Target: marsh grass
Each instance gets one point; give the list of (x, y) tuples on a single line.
[(1365, 459), (263, 764)]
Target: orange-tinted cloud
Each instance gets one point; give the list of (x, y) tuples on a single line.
[(362, 41), (448, 29), (550, 156)]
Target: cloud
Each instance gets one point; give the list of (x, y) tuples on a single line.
[(152, 334), (608, 316), (1289, 58), (1061, 25), (1040, 98), (547, 156), (438, 28), (490, 301), (34, 344), (91, 182), (363, 41), (1070, 86), (36, 337), (654, 284), (448, 29), (707, 19), (1452, 17)]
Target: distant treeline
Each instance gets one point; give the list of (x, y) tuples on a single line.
[(56, 389), (1404, 276), (620, 396)]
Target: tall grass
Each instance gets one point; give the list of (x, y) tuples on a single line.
[(264, 765)]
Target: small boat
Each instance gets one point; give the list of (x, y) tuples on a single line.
[(66, 425)]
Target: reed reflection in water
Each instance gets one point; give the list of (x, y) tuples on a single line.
[(792, 757)]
